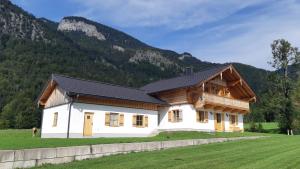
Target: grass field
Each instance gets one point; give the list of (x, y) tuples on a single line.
[(20, 139), (266, 126), (276, 152)]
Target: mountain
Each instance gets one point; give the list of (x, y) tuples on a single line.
[(31, 49)]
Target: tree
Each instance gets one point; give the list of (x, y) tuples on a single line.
[(19, 113), (284, 55)]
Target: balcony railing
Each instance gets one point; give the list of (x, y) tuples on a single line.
[(219, 100)]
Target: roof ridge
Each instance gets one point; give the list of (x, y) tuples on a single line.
[(95, 81)]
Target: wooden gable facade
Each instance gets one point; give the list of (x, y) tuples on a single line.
[(224, 91)]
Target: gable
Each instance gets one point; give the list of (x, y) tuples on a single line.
[(57, 97), (225, 83), (231, 81), (225, 78), (52, 95)]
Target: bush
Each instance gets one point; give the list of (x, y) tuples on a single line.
[(4, 124), (255, 127)]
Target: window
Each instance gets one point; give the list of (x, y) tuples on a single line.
[(54, 124), (175, 116), (114, 119), (233, 119), (202, 116), (140, 121), (219, 118)]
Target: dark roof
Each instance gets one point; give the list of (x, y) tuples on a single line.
[(98, 89), (183, 81)]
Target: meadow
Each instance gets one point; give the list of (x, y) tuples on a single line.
[(22, 139), (274, 152)]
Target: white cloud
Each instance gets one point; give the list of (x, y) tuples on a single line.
[(174, 14), (217, 31), (252, 46)]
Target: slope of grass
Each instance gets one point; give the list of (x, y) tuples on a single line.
[(20, 139), (273, 152)]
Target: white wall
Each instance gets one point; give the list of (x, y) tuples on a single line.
[(99, 128), (189, 120), (240, 121), (60, 131)]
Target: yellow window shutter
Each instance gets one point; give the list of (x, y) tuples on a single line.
[(170, 116), (121, 119), (134, 120), (198, 116), (107, 119), (206, 116), (145, 121)]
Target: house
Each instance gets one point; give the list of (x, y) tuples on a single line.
[(215, 99)]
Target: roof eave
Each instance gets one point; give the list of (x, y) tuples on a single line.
[(75, 94)]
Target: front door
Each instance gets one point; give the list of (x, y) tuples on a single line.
[(88, 124), (219, 121)]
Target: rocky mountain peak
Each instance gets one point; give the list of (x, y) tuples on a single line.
[(18, 23), (73, 24), (185, 55)]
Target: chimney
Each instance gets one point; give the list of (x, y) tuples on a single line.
[(189, 70)]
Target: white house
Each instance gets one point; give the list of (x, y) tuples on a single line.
[(211, 100)]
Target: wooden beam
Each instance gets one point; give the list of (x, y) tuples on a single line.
[(234, 110), (252, 99), (208, 106), (219, 108), (233, 83), (244, 111), (227, 109), (221, 75)]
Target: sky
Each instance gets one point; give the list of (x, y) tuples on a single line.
[(212, 30)]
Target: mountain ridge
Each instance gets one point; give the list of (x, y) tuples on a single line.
[(27, 60)]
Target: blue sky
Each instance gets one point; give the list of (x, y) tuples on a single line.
[(215, 31)]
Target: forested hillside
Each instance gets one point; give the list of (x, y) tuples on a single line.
[(31, 49)]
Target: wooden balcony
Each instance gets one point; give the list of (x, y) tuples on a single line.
[(222, 103)]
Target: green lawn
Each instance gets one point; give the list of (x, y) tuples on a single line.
[(276, 152), (266, 126), (20, 139)]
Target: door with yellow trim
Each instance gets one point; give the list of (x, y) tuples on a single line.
[(219, 121), (88, 124)]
